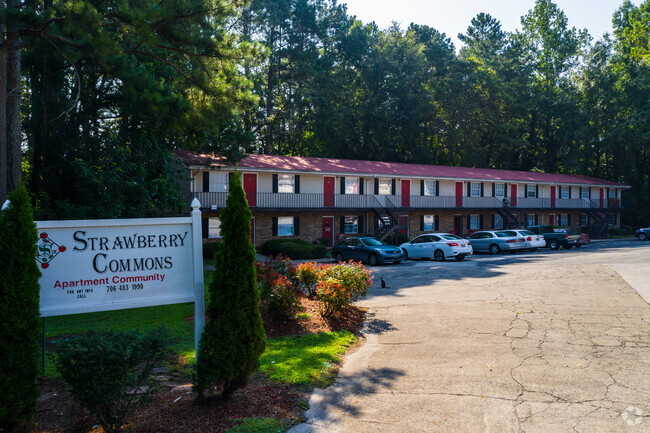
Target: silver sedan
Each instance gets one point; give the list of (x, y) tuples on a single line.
[(438, 246), (494, 242)]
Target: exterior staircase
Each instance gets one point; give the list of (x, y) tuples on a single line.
[(390, 221), (509, 215), (598, 219)]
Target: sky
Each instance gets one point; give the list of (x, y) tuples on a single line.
[(453, 17)]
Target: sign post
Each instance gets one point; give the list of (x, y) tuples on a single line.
[(101, 265)]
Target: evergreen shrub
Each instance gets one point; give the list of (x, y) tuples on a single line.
[(295, 249), (210, 249), (110, 373), (234, 337), (20, 328)]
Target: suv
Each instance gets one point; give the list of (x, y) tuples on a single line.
[(556, 238)]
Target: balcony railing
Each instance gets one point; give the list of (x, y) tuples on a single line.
[(217, 200)]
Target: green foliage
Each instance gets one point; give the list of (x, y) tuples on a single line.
[(296, 249), (210, 249), (110, 373), (307, 359), (19, 309), (307, 277), (281, 299), (259, 425), (352, 276), (322, 241), (233, 338), (333, 295)]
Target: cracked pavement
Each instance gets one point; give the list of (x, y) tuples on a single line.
[(535, 342)]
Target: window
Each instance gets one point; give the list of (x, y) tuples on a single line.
[(385, 186), (351, 224), (564, 220), (498, 221), (422, 240), (474, 222), (429, 187), (584, 220), (285, 226), (564, 192), (475, 189), (429, 223), (218, 182), (352, 185), (286, 183), (499, 189), (530, 219), (214, 228), (584, 192), (531, 191), (611, 193)]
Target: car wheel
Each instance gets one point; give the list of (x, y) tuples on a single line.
[(372, 259), (438, 256), (406, 254), (532, 250), (578, 245), (643, 236), (568, 247), (553, 244), (460, 258), (339, 257), (397, 262), (494, 249)]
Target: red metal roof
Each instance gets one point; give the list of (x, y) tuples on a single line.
[(390, 169)]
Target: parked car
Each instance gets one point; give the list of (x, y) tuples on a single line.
[(438, 246), (494, 242), (532, 240), (584, 240), (643, 234), (556, 238), (367, 249)]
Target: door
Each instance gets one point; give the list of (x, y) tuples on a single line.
[(602, 197), (328, 191), (250, 188), (459, 194), (328, 230), (513, 195), (551, 220), (553, 196), (404, 221), (406, 193), (458, 224)]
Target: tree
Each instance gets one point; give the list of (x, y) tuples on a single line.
[(233, 338), (19, 309)]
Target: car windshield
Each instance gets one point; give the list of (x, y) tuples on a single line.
[(451, 237), (372, 242), (503, 235), (526, 232)]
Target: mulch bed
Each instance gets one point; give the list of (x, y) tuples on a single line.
[(174, 409)]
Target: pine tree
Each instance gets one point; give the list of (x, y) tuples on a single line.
[(19, 310), (233, 338)]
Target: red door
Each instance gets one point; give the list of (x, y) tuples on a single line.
[(328, 192), (328, 230), (551, 220), (553, 196), (602, 197), (250, 188), (513, 195), (406, 193), (404, 221), (459, 194), (458, 225)]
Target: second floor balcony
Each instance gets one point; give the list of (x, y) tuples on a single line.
[(313, 201)]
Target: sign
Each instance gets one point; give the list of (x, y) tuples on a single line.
[(100, 265)]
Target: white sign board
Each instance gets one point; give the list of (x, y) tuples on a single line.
[(102, 265)]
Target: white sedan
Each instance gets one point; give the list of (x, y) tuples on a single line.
[(438, 246), (533, 241)]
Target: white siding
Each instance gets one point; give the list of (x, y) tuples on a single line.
[(264, 182), (448, 188), (311, 184), (415, 186)]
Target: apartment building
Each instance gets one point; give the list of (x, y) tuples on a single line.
[(309, 198)]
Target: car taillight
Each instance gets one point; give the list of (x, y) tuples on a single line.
[(452, 244), (529, 238), (469, 243), (566, 236), (511, 241)]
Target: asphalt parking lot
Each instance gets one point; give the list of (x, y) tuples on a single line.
[(550, 341)]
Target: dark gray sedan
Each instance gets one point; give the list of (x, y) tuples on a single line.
[(494, 242), (643, 234), (368, 250)]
